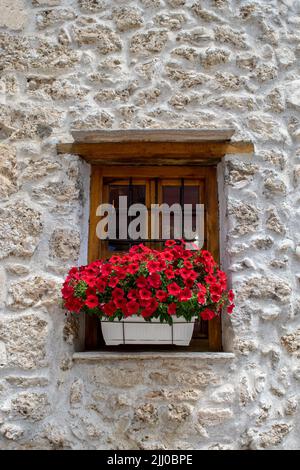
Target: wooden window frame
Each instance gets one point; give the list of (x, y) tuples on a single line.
[(208, 174)]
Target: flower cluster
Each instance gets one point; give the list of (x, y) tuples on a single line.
[(151, 284)]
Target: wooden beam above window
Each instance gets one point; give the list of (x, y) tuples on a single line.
[(154, 147)]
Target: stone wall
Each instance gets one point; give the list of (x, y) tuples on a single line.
[(87, 64)]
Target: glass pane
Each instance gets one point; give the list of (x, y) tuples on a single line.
[(135, 194), (191, 195), (118, 245), (171, 195), (115, 191)]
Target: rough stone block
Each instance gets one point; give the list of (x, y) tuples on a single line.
[(25, 339), (20, 230), (152, 41), (34, 291), (30, 405)]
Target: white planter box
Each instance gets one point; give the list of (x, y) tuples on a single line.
[(135, 330)]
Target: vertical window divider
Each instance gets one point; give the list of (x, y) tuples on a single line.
[(182, 206)]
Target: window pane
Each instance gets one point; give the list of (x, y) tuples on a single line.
[(115, 191), (171, 195), (191, 195), (135, 194)]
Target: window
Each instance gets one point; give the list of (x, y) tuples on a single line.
[(149, 166), (149, 185)]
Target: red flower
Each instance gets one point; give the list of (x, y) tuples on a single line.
[(187, 274), (153, 266), (187, 264), (186, 254), (145, 294), (152, 305), (132, 294), (132, 307), (207, 314), (161, 295), (92, 301), (201, 296), (167, 256), (73, 271), (147, 313), (170, 243), (133, 268), (177, 251), (118, 293), (113, 282), (134, 249), (100, 285), (215, 291), (114, 259), (89, 279), (120, 272), (169, 273), (174, 289), (222, 278), (74, 304), (189, 282), (185, 294), (230, 295), (106, 269), (90, 291), (109, 309), (154, 280), (230, 308), (210, 279), (172, 309), (161, 265), (141, 281), (193, 275), (118, 301), (201, 288), (67, 291)]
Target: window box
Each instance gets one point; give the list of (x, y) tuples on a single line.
[(135, 330)]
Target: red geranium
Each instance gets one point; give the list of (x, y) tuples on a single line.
[(174, 289), (92, 301), (230, 308), (109, 309), (145, 294), (207, 314), (169, 273), (172, 309), (154, 280), (161, 295), (185, 294), (132, 307), (141, 281)]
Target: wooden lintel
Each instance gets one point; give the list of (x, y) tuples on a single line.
[(151, 153)]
